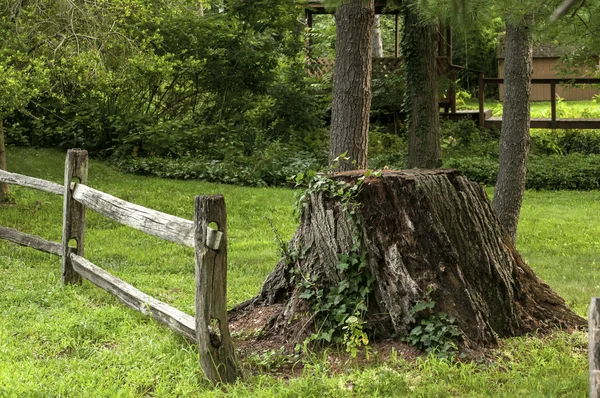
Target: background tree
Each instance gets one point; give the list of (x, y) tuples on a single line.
[(514, 136), (351, 97), (514, 139), (419, 46)]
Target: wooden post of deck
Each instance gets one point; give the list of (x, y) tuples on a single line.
[(396, 44), (481, 103), (217, 354), (309, 25), (553, 102), (76, 170)]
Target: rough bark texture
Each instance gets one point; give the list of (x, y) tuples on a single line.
[(514, 136), (420, 229), (351, 99), (3, 185), (377, 40), (419, 44)]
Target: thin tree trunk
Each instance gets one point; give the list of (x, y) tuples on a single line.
[(377, 40), (3, 185), (514, 137), (419, 43), (351, 99)]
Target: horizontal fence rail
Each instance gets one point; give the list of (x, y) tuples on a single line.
[(217, 353), (31, 182), (35, 242), (150, 221), (175, 319)]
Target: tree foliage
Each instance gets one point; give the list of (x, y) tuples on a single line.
[(155, 77)]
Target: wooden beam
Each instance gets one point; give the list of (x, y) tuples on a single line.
[(482, 81), (35, 242), (152, 222), (30, 182), (594, 347), (76, 168), (449, 43), (553, 103), (173, 318), (217, 353), (397, 40)]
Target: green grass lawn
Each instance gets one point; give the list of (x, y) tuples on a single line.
[(542, 109), (80, 341)]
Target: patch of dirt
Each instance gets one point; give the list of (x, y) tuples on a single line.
[(275, 353)]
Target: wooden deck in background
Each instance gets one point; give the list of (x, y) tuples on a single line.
[(537, 123)]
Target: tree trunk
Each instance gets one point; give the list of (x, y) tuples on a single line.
[(351, 99), (419, 44), (377, 40), (421, 231), (3, 186), (514, 137)]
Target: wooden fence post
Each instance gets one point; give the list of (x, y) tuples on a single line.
[(594, 347), (217, 354), (76, 167)]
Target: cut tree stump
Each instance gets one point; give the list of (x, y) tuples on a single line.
[(422, 230)]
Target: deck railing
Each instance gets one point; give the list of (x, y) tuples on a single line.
[(553, 122)]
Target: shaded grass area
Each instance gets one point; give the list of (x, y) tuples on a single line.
[(79, 341)]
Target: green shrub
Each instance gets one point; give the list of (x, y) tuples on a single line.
[(465, 138), (386, 150), (271, 166), (550, 142), (555, 172), (582, 141), (481, 169), (574, 171)]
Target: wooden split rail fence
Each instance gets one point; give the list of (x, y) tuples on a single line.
[(209, 327)]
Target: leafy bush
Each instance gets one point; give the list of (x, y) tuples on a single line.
[(188, 168), (550, 142), (271, 166), (582, 141), (480, 169), (386, 150), (465, 138), (573, 171)]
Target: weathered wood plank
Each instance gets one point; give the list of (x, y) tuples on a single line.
[(594, 347), (33, 241), (150, 221), (217, 353), (173, 318), (30, 182), (76, 167)]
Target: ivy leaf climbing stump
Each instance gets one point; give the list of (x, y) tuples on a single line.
[(422, 235)]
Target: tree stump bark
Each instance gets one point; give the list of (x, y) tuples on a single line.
[(422, 230)]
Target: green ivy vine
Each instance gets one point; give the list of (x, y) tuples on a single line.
[(434, 333), (339, 310)]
